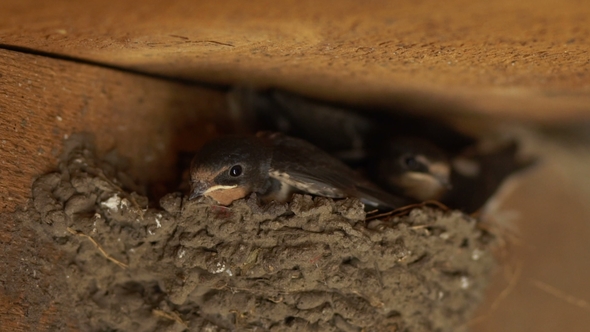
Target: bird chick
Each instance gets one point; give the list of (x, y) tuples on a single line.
[(275, 166), (414, 168)]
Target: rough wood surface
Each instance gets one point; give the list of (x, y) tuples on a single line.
[(43, 101), (519, 59)]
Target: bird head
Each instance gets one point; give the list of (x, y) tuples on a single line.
[(229, 168), (416, 167)]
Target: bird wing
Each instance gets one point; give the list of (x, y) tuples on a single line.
[(310, 184), (310, 169)]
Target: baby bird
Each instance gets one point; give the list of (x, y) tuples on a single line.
[(275, 166)]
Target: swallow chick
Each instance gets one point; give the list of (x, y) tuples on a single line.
[(414, 168), (275, 166), (420, 170)]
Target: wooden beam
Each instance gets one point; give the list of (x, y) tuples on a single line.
[(511, 59)]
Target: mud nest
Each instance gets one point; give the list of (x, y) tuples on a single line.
[(311, 265)]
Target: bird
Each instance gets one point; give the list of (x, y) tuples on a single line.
[(412, 167), (274, 166), (418, 169)]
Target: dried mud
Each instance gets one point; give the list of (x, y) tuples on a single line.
[(313, 264)]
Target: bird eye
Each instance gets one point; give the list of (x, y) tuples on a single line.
[(411, 162), (236, 170)]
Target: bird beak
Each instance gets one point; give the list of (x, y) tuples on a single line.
[(198, 189), (442, 173)]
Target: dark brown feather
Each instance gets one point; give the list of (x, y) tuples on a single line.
[(311, 170)]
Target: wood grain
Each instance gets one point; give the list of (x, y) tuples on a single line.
[(513, 59)]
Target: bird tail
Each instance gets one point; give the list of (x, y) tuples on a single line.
[(381, 200)]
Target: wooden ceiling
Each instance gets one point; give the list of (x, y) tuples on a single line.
[(515, 59)]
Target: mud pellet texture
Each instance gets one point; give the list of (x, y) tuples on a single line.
[(311, 265)]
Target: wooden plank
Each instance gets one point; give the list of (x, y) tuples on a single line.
[(523, 60)]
